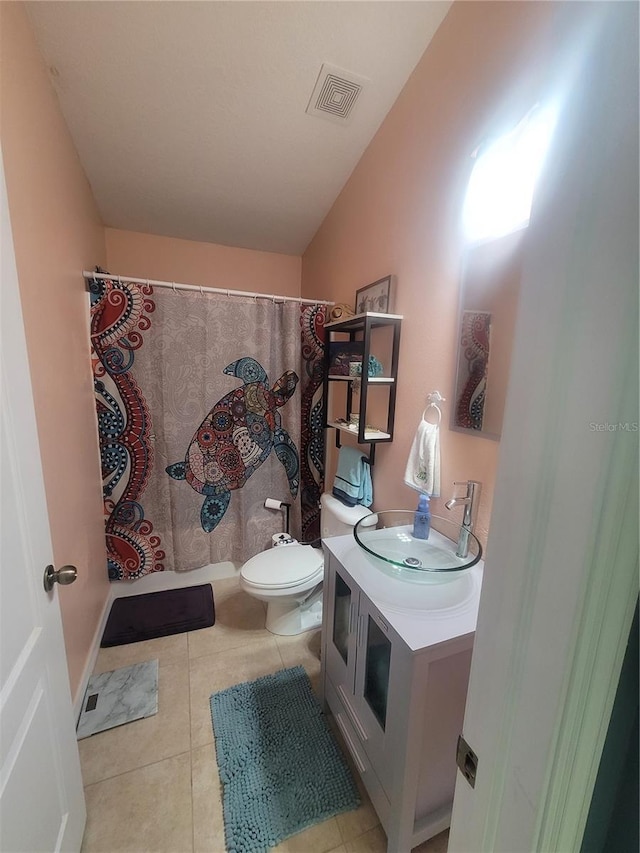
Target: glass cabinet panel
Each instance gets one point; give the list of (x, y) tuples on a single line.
[(341, 611), (376, 676)]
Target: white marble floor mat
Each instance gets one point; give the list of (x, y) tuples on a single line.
[(118, 697)]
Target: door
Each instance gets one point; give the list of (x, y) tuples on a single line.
[(342, 619), (378, 679), (41, 798), (373, 670), (561, 573)]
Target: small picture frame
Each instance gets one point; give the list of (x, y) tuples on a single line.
[(376, 297)]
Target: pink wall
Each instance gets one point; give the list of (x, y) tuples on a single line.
[(205, 264), (57, 231), (491, 275), (399, 213)]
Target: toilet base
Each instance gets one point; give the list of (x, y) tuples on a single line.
[(289, 617)]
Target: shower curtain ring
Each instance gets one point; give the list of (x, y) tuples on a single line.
[(173, 286), (201, 293)]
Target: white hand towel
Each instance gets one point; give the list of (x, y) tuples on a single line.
[(423, 465)]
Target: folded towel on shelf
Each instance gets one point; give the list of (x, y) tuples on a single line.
[(423, 465), (352, 484)]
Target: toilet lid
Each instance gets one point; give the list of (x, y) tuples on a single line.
[(284, 566)]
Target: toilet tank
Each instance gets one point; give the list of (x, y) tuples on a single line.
[(336, 518)]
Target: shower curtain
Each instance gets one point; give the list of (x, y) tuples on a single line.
[(206, 406)]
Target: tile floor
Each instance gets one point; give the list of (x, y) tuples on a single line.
[(152, 785)]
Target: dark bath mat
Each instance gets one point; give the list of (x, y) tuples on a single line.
[(159, 614)]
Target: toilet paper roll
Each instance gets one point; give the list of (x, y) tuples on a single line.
[(272, 503)]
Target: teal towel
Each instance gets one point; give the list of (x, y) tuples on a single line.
[(353, 478)]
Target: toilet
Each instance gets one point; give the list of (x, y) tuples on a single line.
[(289, 577)]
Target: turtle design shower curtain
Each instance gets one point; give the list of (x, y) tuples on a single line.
[(206, 406)]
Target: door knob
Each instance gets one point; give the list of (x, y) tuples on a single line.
[(65, 575)]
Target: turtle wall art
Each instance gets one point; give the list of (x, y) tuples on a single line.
[(236, 437)]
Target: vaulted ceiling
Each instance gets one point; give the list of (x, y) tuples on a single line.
[(190, 117)]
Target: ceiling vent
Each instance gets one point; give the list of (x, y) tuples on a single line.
[(335, 94)]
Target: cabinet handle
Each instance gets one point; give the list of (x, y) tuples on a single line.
[(362, 629), (352, 714), (350, 745), (351, 615)]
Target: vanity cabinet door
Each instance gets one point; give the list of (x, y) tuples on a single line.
[(378, 680), (341, 624), (376, 663)]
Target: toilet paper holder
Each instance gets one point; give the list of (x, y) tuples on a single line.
[(272, 503)]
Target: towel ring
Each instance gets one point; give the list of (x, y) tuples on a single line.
[(434, 398), (438, 410)]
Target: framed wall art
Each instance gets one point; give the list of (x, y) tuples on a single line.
[(377, 296)]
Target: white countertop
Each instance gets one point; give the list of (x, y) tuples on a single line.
[(437, 613)]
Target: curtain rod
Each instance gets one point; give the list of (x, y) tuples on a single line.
[(174, 285)]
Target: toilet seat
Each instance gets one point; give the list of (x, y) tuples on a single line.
[(284, 567)]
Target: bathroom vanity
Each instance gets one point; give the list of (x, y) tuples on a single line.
[(395, 680)]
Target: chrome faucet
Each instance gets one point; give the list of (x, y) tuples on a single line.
[(470, 502)]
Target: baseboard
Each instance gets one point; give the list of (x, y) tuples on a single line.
[(91, 658), (156, 582)]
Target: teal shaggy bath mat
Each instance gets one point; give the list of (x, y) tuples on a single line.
[(280, 767)]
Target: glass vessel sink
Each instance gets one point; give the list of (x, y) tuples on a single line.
[(394, 550)]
